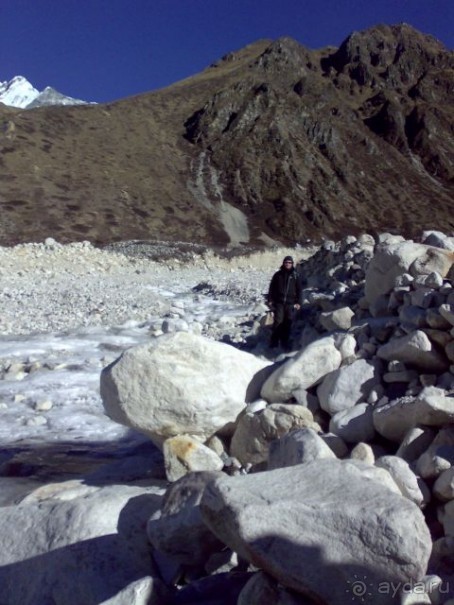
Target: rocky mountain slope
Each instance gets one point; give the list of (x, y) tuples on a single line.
[(273, 142)]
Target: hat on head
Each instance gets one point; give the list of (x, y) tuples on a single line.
[(288, 258)]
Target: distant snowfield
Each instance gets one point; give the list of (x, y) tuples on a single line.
[(68, 311), (17, 92)]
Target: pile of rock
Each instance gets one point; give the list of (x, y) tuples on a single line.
[(324, 477), (333, 282), (51, 257), (349, 440)]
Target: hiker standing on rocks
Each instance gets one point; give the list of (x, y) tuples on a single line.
[(284, 298)]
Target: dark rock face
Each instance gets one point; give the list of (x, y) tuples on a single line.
[(303, 143), (339, 143)]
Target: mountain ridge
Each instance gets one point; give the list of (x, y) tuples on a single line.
[(272, 143), (20, 93)]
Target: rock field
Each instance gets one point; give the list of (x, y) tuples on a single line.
[(319, 476), (52, 287)]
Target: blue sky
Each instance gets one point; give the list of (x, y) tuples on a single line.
[(103, 50)]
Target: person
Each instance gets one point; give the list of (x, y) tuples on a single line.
[(284, 298)]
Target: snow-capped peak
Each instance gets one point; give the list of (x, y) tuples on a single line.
[(50, 96), (18, 92)]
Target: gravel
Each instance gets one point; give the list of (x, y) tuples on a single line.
[(49, 287)]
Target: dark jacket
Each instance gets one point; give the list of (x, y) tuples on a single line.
[(285, 287)]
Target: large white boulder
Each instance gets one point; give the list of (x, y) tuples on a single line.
[(185, 384), (304, 370), (79, 545), (393, 260), (318, 527)]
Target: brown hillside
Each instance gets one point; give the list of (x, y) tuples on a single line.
[(274, 142)]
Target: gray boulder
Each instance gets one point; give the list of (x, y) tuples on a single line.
[(339, 319), (446, 517), (336, 444), (439, 456), (348, 385), (415, 443), (395, 259), (403, 476), (304, 370), (184, 454), (297, 447), (447, 312), (177, 529), (264, 590), (437, 239), (79, 546), (317, 527), (443, 488), (431, 407), (415, 349), (355, 424), (255, 432), (364, 452)]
